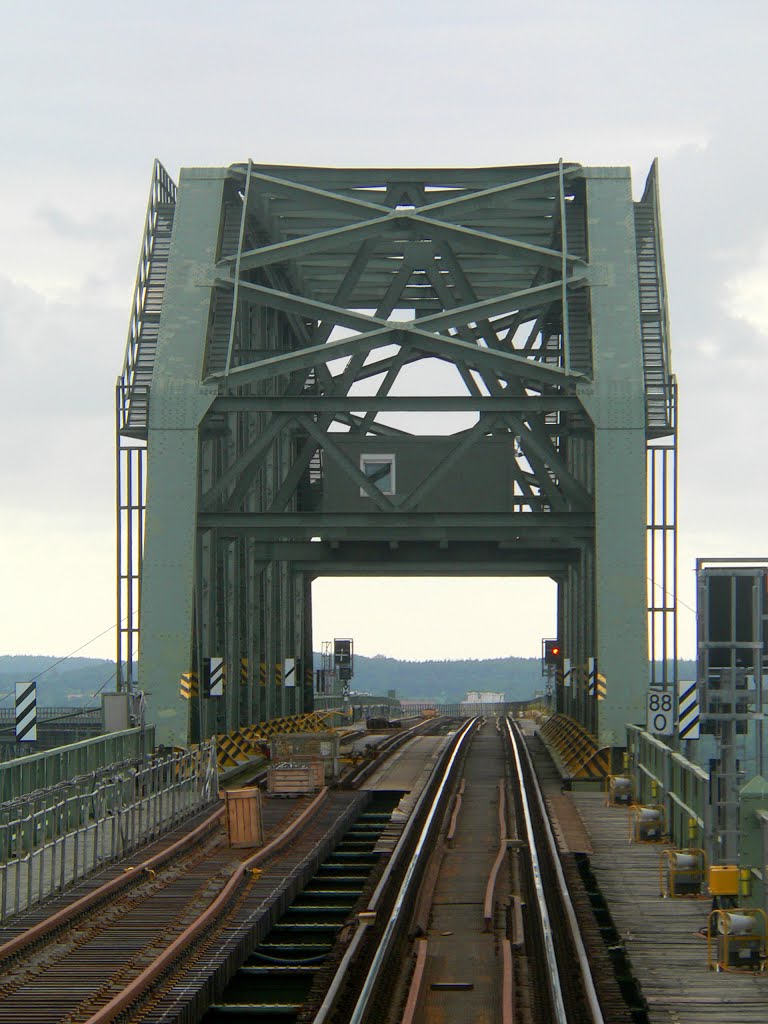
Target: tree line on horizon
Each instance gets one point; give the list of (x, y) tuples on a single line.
[(74, 680)]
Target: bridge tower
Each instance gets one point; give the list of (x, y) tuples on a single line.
[(402, 372)]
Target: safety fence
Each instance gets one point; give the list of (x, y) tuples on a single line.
[(51, 838), (49, 767), (664, 776), (80, 716)]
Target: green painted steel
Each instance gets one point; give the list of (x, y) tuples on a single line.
[(305, 315), (615, 402), (753, 836), (60, 764), (664, 776)]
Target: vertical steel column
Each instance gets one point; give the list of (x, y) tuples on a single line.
[(230, 648), (587, 644), (662, 560), (179, 403), (615, 401), (307, 648)]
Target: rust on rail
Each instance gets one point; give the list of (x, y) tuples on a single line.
[(491, 886), (139, 985), (130, 876)]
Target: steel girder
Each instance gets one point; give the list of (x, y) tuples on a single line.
[(305, 313)]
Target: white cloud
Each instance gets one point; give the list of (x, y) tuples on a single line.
[(710, 348), (747, 293)]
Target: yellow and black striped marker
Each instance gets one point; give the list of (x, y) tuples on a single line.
[(189, 685)]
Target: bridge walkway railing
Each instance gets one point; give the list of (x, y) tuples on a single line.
[(663, 776), (54, 836)]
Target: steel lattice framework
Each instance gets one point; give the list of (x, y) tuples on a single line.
[(296, 327)]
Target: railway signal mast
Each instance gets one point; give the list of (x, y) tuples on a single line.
[(551, 665)]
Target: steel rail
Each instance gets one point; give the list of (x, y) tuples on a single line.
[(401, 900), (131, 875), (139, 985), (553, 973), (508, 983), (384, 749), (367, 918), (451, 833), (417, 981)]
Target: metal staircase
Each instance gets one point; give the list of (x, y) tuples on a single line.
[(132, 413), (653, 313), (134, 382)]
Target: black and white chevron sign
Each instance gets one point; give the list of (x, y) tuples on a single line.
[(289, 672), (26, 712), (687, 710), (216, 687)]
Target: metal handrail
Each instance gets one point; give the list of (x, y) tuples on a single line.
[(37, 771), (54, 837)]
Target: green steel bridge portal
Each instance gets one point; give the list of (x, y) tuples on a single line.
[(407, 372)]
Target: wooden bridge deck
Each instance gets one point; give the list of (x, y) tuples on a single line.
[(668, 957)]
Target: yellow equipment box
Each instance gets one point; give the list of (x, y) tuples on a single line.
[(724, 880)]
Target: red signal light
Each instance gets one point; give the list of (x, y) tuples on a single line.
[(553, 652)]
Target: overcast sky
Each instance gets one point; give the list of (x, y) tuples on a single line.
[(91, 93)]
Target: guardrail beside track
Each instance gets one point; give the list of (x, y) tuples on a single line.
[(129, 878), (52, 838)]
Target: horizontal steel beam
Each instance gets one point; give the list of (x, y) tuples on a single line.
[(369, 177), (535, 527), (450, 568), (397, 403), (407, 553)]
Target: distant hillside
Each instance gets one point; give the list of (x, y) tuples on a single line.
[(71, 682), (76, 679), (449, 681)]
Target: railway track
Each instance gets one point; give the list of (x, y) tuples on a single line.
[(491, 933), (103, 952), (565, 991), (101, 957), (325, 923)]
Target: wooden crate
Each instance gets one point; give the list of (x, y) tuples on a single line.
[(244, 822), (293, 778)]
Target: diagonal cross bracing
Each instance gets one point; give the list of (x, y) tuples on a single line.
[(382, 332), (396, 221), (319, 198), (453, 317)]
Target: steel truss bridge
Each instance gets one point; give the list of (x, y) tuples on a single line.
[(343, 371)]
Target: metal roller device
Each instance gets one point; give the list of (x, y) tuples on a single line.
[(646, 824), (739, 940), (682, 872)]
